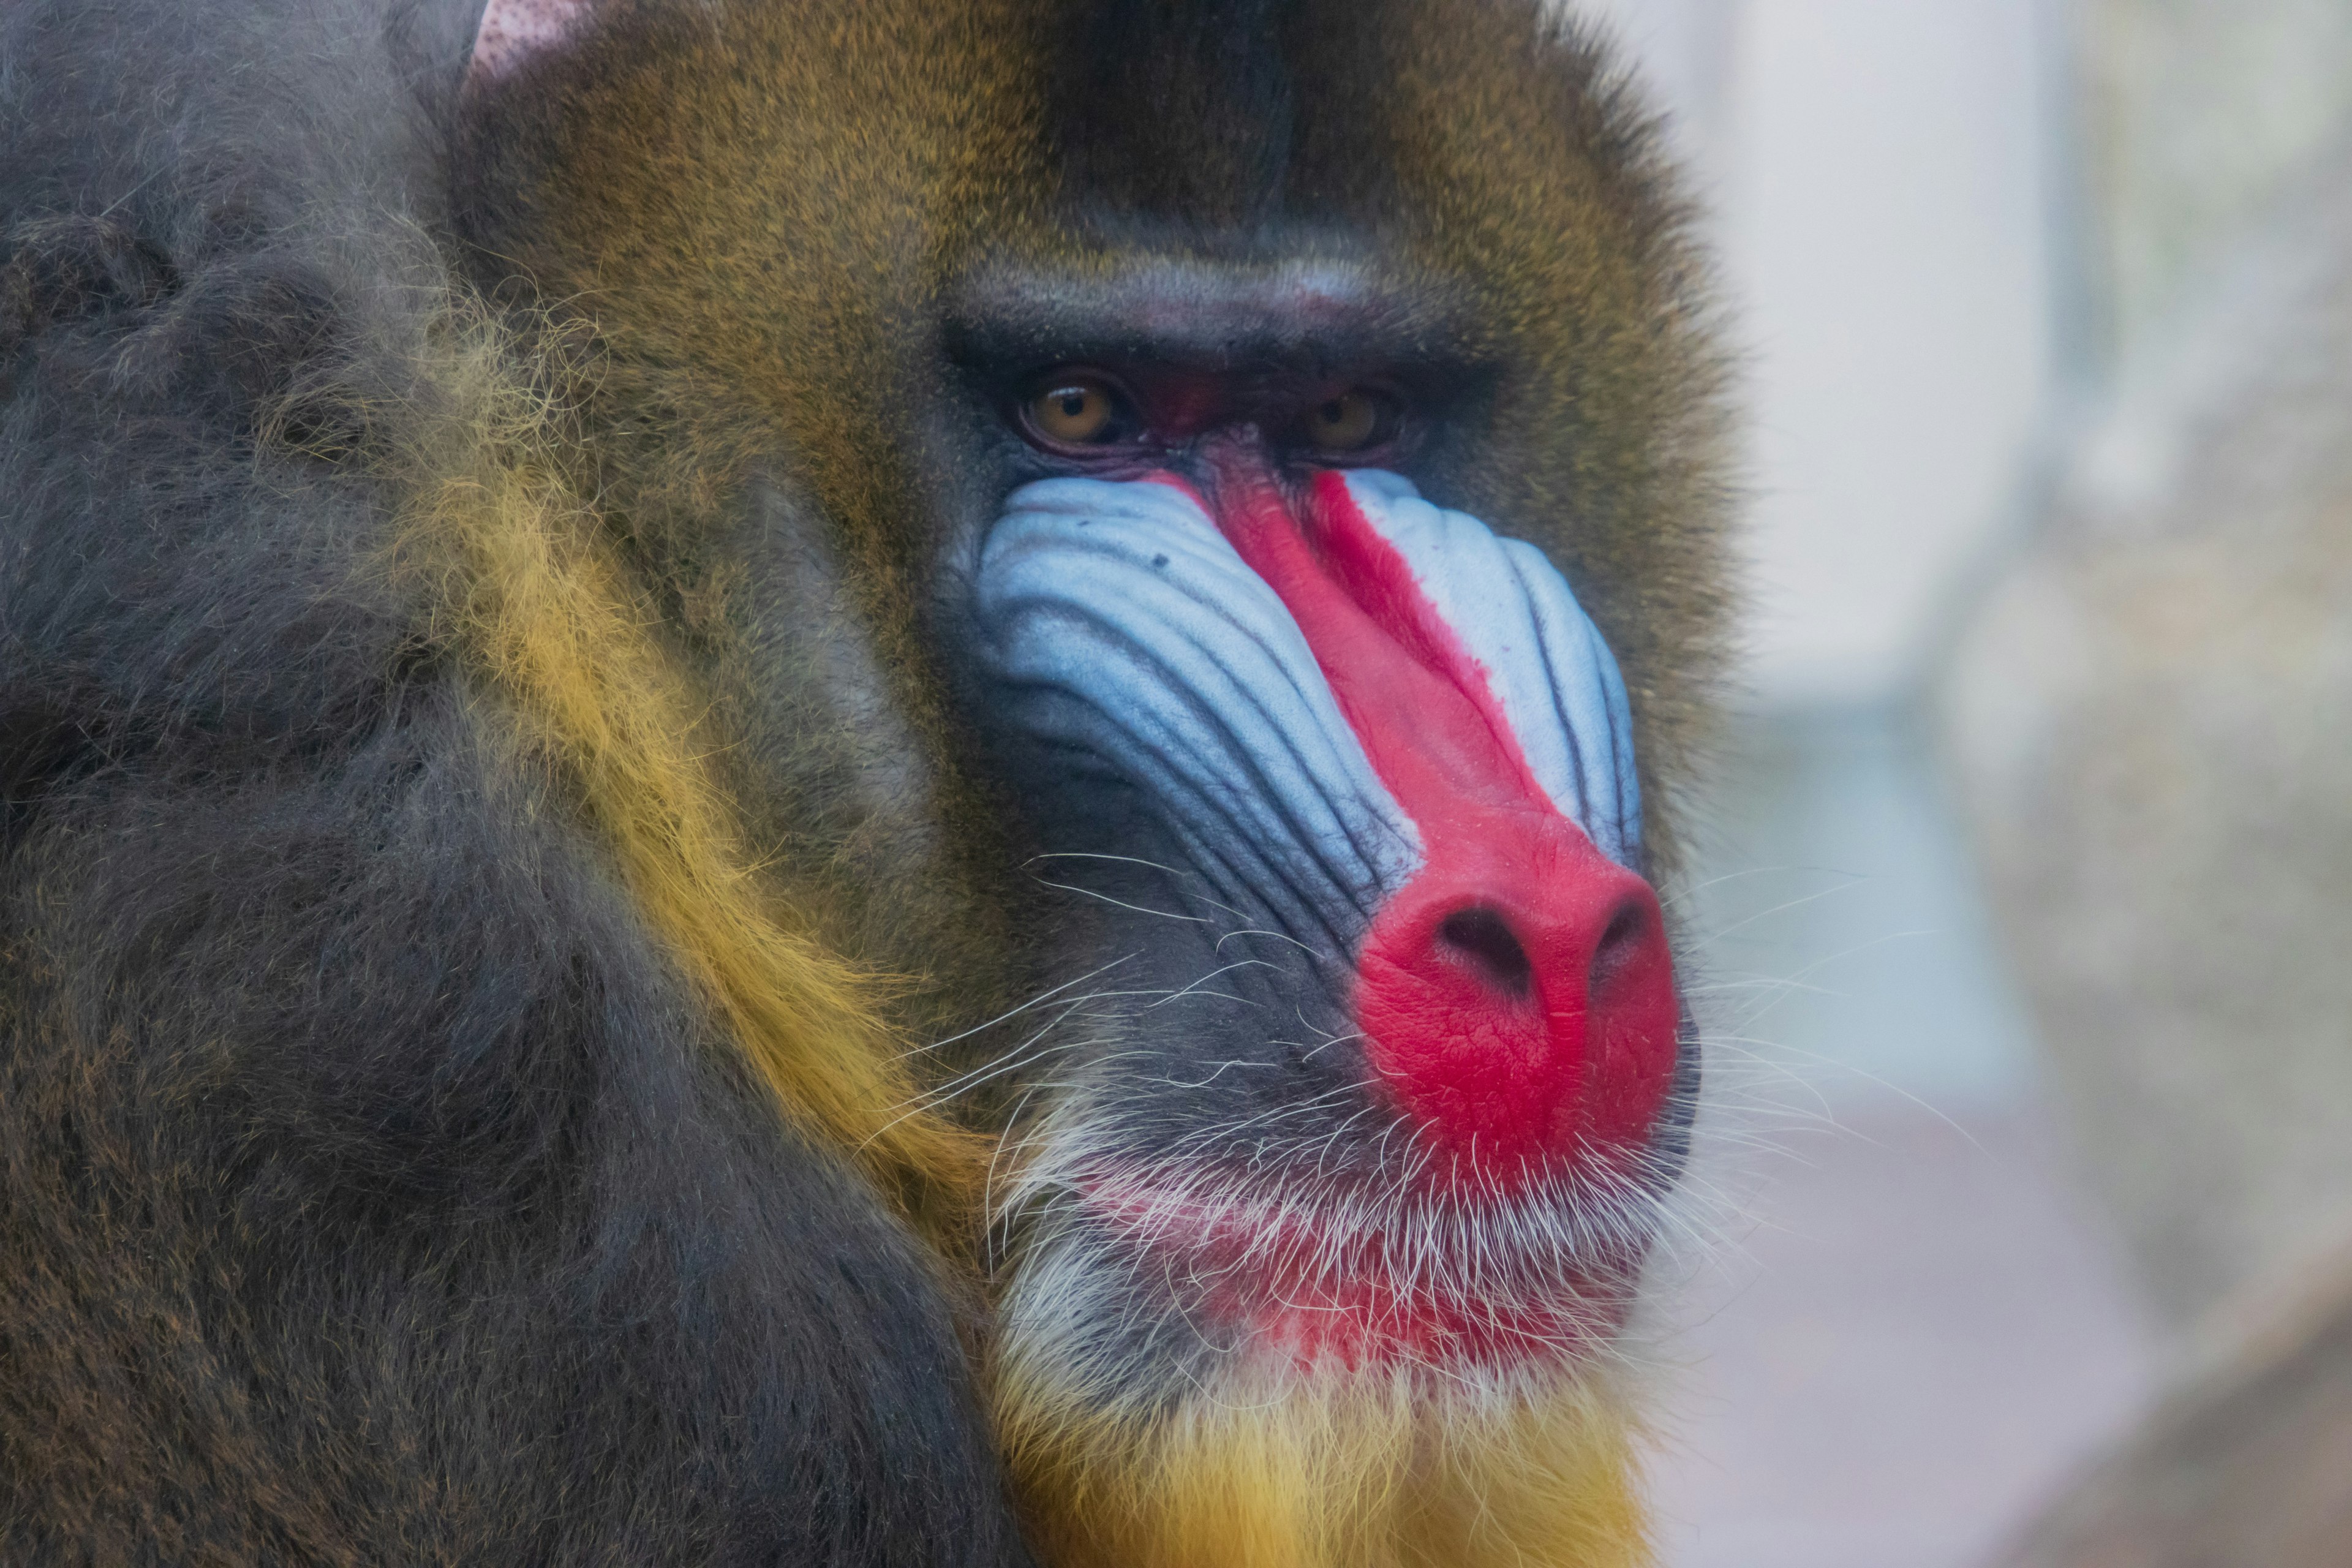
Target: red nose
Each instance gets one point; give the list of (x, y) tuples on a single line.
[(1517, 996)]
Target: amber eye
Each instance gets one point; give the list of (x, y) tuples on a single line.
[(1074, 410), (1349, 422)]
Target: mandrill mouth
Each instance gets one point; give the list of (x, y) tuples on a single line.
[(1369, 766), (1319, 1275)]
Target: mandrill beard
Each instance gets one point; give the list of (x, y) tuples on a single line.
[(1333, 1468), (1138, 1278), (1152, 1419)]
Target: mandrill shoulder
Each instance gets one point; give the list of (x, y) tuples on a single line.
[(380, 1185)]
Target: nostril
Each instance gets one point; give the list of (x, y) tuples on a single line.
[(1619, 946), (1481, 938)]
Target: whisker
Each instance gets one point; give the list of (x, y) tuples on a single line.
[(1014, 1011), (1122, 903)]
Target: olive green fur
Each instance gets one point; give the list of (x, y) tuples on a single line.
[(759, 209)]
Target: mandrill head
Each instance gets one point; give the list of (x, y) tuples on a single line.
[(1201, 528), (1386, 1076)]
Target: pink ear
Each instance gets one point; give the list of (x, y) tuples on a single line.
[(512, 31)]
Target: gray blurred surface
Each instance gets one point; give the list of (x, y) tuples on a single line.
[(2193, 117), (1933, 1338), (2248, 1462), (2151, 720)]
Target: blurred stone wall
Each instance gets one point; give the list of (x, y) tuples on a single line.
[(2149, 714), (2192, 116)]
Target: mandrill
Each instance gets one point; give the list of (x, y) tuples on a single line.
[(839, 781)]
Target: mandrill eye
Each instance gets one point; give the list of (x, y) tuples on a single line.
[(1350, 422), (1075, 411)]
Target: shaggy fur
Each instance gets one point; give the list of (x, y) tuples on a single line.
[(495, 815), (379, 1183)]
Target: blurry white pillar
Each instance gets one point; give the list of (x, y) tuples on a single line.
[(1878, 176)]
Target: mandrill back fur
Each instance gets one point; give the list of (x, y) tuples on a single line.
[(488, 827), (377, 1188)]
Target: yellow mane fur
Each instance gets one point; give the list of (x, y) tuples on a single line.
[(1332, 1470), (574, 663)]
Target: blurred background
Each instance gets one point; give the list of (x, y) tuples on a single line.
[(2026, 898)]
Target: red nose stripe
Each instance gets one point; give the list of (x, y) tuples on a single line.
[(1517, 994)]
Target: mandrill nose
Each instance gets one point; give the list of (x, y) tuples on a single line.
[(1515, 992), (1518, 1001)]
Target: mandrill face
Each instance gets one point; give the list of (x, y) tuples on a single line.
[(1366, 1051)]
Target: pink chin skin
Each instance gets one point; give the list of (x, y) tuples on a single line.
[(1504, 1075), (1364, 1325), (1285, 1293)]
